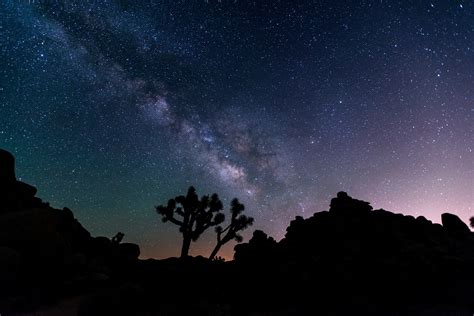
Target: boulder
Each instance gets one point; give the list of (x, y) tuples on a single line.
[(260, 248), (423, 221), (24, 190), (101, 246), (454, 224), (345, 204), (129, 251)]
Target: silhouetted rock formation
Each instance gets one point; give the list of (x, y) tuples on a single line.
[(14, 195), (362, 256), (343, 203), (46, 248), (453, 224), (261, 248)]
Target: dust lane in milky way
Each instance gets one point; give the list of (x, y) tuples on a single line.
[(112, 108)]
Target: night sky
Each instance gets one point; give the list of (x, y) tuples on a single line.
[(112, 108)]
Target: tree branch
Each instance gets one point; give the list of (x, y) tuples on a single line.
[(175, 221)]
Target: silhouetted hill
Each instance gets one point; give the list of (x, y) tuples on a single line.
[(348, 260)]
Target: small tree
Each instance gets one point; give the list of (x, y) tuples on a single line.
[(471, 220), (238, 223), (196, 214)]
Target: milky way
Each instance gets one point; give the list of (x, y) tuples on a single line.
[(111, 108)]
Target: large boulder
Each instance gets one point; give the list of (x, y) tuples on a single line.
[(104, 250), (345, 204), (128, 251), (454, 224), (260, 248)]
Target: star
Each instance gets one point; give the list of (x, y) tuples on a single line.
[(113, 109)]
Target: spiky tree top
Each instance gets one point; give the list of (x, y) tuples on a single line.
[(237, 223), (191, 214)]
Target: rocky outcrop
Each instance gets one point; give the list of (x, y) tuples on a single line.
[(454, 224), (15, 195), (261, 248), (45, 248), (31, 227), (353, 256), (346, 204), (351, 228)]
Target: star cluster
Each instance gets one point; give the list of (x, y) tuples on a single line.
[(112, 107)]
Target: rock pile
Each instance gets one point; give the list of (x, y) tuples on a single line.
[(352, 252)]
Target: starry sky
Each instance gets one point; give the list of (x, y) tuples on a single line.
[(113, 107)]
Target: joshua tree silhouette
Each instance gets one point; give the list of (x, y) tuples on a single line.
[(238, 223), (197, 215)]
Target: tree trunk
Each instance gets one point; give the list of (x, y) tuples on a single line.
[(215, 251), (185, 248)]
